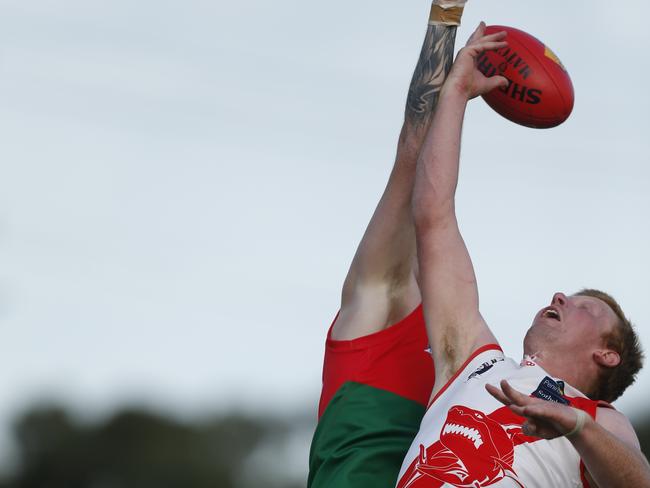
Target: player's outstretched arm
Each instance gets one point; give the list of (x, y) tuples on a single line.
[(380, 287), (449, 293), (608, 446)]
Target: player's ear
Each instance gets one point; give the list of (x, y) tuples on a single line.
[(607, 358)]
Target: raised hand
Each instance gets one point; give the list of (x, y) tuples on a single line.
[(544, 419), (465, 76)]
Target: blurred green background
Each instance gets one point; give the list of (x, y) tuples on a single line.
[(139, 448)]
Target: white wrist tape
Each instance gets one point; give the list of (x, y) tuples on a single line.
[(450, 3), (580, 423), (446, 12)]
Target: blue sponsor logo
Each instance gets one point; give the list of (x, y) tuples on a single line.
[(551, 390)]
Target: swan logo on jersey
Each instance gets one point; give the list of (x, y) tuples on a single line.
[(474, 450), (484, 368)]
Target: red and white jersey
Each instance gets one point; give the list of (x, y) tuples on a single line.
[(469, 439)]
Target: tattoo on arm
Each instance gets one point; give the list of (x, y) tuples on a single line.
[(435, 62)]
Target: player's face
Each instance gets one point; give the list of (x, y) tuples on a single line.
[(577, 321)]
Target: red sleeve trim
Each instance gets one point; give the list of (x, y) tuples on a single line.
[(583, 475), (482, 349), (589, 406), (583, 469)]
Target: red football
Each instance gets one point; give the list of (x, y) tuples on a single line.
[(540, 92)]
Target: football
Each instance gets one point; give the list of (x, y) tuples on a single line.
[(539, 93)]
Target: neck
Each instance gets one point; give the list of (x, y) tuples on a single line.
[(565, 367)]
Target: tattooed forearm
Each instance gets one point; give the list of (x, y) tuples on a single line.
[(435, 62)]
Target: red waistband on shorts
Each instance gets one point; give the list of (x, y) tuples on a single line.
[(390, 333)]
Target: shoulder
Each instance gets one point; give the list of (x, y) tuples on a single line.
[(618, 424)]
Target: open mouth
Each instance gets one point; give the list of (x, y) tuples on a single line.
[(551, 313)]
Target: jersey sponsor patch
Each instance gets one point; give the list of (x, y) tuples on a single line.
[(551, 390)]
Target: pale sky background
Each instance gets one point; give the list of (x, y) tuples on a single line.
[(184, 184)]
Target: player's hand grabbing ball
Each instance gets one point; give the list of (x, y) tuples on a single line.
[(465, 77)]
